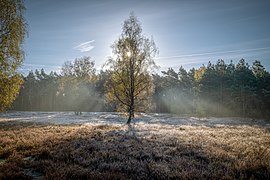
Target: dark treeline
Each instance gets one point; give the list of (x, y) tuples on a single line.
[(76, 88), (215, 90), (218, 89)]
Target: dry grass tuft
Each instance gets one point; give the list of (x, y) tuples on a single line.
[(141, 151)]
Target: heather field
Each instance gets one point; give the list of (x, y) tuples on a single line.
[(101, 146)]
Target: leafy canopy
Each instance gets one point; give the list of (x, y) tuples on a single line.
[(130, 85), (12, 34)]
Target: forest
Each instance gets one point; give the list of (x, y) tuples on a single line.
[(215, 89)]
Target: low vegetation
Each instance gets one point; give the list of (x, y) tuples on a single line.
[(141, 151)]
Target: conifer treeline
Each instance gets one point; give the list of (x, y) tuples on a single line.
[(218, 89)]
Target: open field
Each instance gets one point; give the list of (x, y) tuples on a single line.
[(100, 145)]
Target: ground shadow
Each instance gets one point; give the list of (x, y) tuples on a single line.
[(95, 152)]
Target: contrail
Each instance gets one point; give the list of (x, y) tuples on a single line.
[(213, 53), (40, 65)]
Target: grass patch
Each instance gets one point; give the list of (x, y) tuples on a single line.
[(143, 151)]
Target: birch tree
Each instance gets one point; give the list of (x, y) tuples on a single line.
[(130, 84), (12, 34)]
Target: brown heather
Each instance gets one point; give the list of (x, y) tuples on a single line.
[(141, 151)]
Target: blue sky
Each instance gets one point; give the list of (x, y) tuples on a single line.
[(187, 32)]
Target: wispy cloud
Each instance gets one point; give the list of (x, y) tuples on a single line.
[(39, 65), (197, 59), (85, 47), (215, 53)]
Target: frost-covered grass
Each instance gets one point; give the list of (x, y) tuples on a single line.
[(98, 145), (151, 150)]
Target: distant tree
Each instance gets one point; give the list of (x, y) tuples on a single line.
[(158, 82), (199, 73), (47, 89), (24, 100), (100, 87), (193, 90), (258, 69), (262, 90), (184, 80), (77, 83), (130, 83), (38, 93), (244, 86), (80, 68), (12, 34), (214, 84), (177, 91)]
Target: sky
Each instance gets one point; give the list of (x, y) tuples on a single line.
[(188, 33)]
